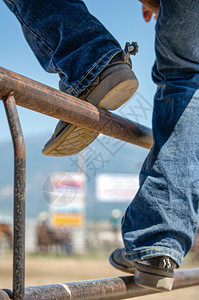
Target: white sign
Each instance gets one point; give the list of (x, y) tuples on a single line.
[(116, 187)]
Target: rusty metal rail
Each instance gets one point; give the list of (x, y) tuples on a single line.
[(19, 197), (102, 289), (41, 98)]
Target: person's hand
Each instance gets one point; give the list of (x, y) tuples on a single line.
[(152, 6), (147, 13)]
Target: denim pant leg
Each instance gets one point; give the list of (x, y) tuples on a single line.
[(66, 39), (163, 217)]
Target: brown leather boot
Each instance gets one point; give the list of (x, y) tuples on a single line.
[(113, 87)]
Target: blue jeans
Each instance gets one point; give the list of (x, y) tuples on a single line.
[(163, 217), (66, 39)]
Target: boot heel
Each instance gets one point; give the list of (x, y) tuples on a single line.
[(153, 281)]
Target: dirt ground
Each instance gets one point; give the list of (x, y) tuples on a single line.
[(46, 270)]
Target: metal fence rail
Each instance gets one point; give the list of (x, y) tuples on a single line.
[(19, 197), (102, 289), (41, 98)]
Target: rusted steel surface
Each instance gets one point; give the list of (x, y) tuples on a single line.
[(19, 197), (41, 98), (102, 289), (185, 278)]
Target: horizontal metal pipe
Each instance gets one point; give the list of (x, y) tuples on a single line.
[(41, 98), (102, 289)]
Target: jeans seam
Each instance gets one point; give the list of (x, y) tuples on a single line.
[(157, 248), (73, 88), (33, 32)]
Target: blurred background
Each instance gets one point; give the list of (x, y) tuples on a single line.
[(74, 205)]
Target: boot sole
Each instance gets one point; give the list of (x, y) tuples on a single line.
[(113, 91), (153, 281), (70, 141)]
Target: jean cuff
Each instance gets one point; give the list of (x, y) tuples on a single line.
[(154, 252)]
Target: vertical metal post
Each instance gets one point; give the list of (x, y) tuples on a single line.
[(19, 197)]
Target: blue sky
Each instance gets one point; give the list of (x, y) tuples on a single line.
[(122, 18)]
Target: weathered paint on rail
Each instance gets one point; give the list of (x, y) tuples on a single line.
[(102, 289), (41, 98)]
